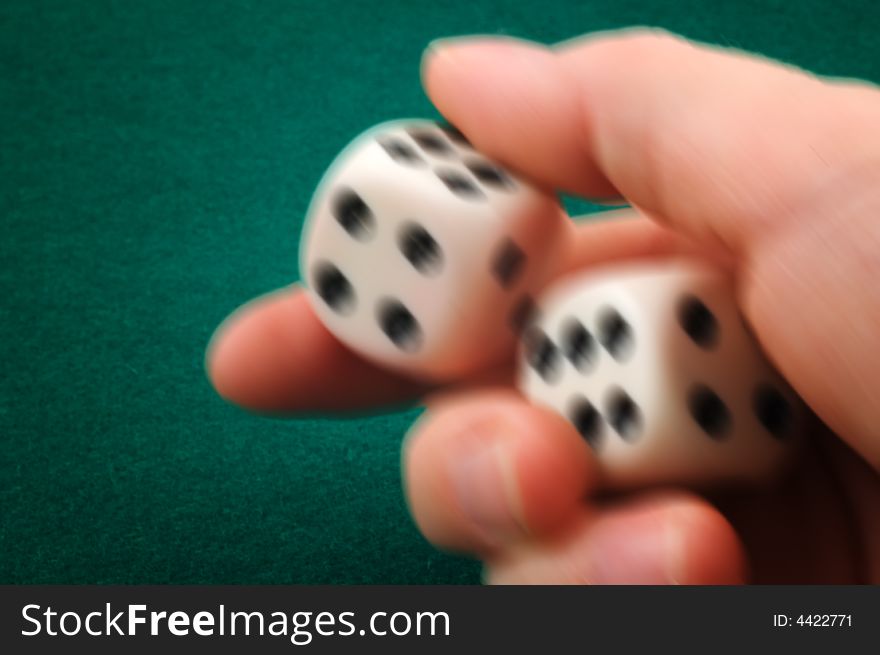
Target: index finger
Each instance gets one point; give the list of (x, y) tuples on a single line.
[(716, 142)]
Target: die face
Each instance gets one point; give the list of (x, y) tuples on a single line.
[(587, 358), (689, 398), (416, 245)]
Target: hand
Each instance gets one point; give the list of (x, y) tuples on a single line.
[(768, 169)]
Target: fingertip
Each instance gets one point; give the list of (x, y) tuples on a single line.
[(221, 354), (464, 76), (442, 56), (659, 539), (704, 548), (242, 358), (663, 537), (513, 100), (556, 469), (489, 469)]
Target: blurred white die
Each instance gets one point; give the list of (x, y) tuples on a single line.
[(654, 366), (421, 254)]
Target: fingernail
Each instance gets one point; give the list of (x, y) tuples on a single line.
[(441, 49), (633, 550), (483, 479), (449, 47), (447, 43)]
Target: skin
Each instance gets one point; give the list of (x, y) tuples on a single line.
[(766, 169)]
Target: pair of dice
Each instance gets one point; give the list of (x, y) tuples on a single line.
[(425, 257)]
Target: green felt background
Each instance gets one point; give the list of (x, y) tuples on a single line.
[(156, 158)]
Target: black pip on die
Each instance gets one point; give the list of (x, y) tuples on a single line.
[(655, 368), (421, 254)]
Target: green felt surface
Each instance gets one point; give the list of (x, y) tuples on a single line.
[(156, 158)]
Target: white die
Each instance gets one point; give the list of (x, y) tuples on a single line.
[(421, 254), (655, 367)]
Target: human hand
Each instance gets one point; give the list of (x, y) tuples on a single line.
[(767, 169)]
